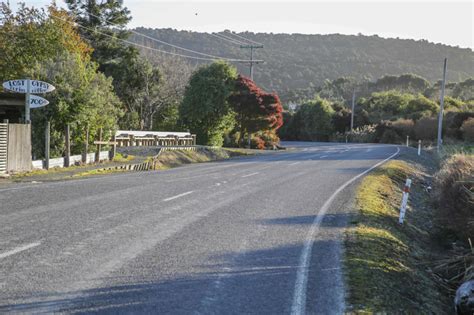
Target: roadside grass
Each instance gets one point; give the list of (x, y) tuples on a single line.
[(39, 172), (170, 159), (99, 171), (387, 265), (123, 158)]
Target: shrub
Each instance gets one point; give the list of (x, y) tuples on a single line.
[(467, 129), (404, 127), (455, 195), (390, 136), (257, 143), (269, 137), (426, 128)]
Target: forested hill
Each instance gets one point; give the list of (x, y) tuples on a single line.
[(294, 61)]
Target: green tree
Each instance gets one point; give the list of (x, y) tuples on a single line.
[(140, 91), (103, 26), (419, 107), (31, 36), (316, 116), (83, 97), (205, 108), (388, 105)]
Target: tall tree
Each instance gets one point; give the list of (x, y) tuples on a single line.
[(103, 25), (205, 108), (255, 110), (141, 92), (31, 36)]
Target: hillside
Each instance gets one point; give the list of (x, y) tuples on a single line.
[(295, 61)]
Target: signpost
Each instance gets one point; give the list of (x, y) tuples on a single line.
[(29, 87), (37, 102)]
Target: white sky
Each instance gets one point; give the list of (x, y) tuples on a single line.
[(447, 22)]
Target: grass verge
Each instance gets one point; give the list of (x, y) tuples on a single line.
[(387, 264)]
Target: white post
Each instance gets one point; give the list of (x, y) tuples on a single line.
[(419, 147), (408, 141), (403, 207)]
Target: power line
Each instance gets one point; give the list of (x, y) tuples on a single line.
[(161, 41), (248, 40), (229, 39), (153, 49)]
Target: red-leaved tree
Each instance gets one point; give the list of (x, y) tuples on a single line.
[(257, 111)]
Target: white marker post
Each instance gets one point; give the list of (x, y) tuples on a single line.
[(419, 147), (403, 207), (408, 141)]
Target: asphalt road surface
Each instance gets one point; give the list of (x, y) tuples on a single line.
[(252, 235)]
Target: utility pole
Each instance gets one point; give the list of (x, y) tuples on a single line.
[(441, 106), (252, 47), (352, 110)]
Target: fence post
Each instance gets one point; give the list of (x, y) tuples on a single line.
[(86, 146), (403, 207), (47, 134), (113, 150), (97, 152), (419, 147), (67, 158)]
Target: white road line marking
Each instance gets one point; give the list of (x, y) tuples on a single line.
[(294, 163), (178, 196), (299, 298), (248, 175), (19, 249)]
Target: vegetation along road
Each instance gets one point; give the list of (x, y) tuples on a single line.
[(260, 234)]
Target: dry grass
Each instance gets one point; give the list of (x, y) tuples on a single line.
[(455, 195), (387, 264)]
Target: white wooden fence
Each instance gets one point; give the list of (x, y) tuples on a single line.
[(59, 162)]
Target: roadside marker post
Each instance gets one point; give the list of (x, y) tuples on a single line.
[(403, 207), (408, 141), (419, 147)]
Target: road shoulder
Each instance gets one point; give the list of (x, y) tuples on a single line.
[(386, 264)]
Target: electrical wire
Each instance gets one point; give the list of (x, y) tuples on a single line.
[(241, 37), (143, 46), (226, 38), (161, 41)]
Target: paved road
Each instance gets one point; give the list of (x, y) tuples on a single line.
[(254, 235)]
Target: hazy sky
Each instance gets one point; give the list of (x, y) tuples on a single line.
[(447, 22)]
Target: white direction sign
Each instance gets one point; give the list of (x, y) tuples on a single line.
[(20, 86), (36, 101)]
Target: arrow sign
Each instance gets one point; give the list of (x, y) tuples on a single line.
[(36, 101), (20, 86)]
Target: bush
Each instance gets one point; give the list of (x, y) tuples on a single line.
[(404, 127), (467, 129), (426, 128), (452, 123), (390, 136), (455, 195), (257, 143)]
